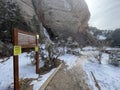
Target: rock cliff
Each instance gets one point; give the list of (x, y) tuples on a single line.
[(63, 16), (29, 14), (27, 9)]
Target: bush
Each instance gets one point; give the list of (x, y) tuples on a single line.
[(49, 54)]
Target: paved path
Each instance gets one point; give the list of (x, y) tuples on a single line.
[(72, 79)]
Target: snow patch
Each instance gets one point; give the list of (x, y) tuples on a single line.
[(104, 58), (38, 83), (69, 60), (46, 33), (88, 48), (101, 37)]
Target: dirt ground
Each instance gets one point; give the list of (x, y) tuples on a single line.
[(69, 79)]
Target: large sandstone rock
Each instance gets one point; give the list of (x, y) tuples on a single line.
[(63, 15), (28, 12)]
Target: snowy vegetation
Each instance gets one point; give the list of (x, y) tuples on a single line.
[(110, 36)]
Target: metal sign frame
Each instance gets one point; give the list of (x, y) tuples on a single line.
[(22, 40)]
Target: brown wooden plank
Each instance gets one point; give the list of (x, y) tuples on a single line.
[(96, 83)]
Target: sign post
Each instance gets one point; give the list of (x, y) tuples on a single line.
[(15, 63), (22, 40), (37, 55)]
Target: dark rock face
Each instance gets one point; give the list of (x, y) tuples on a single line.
[(63, 16)]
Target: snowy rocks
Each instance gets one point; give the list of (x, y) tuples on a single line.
[(75, 52), (115, 58), (69, 46), (63, 16)]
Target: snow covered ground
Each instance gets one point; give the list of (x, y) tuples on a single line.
[(107, 76), (26, 70)]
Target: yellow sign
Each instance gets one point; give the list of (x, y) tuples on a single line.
[(17, 50), (36, 48)]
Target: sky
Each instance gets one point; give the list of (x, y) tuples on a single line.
[(105, 14)]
